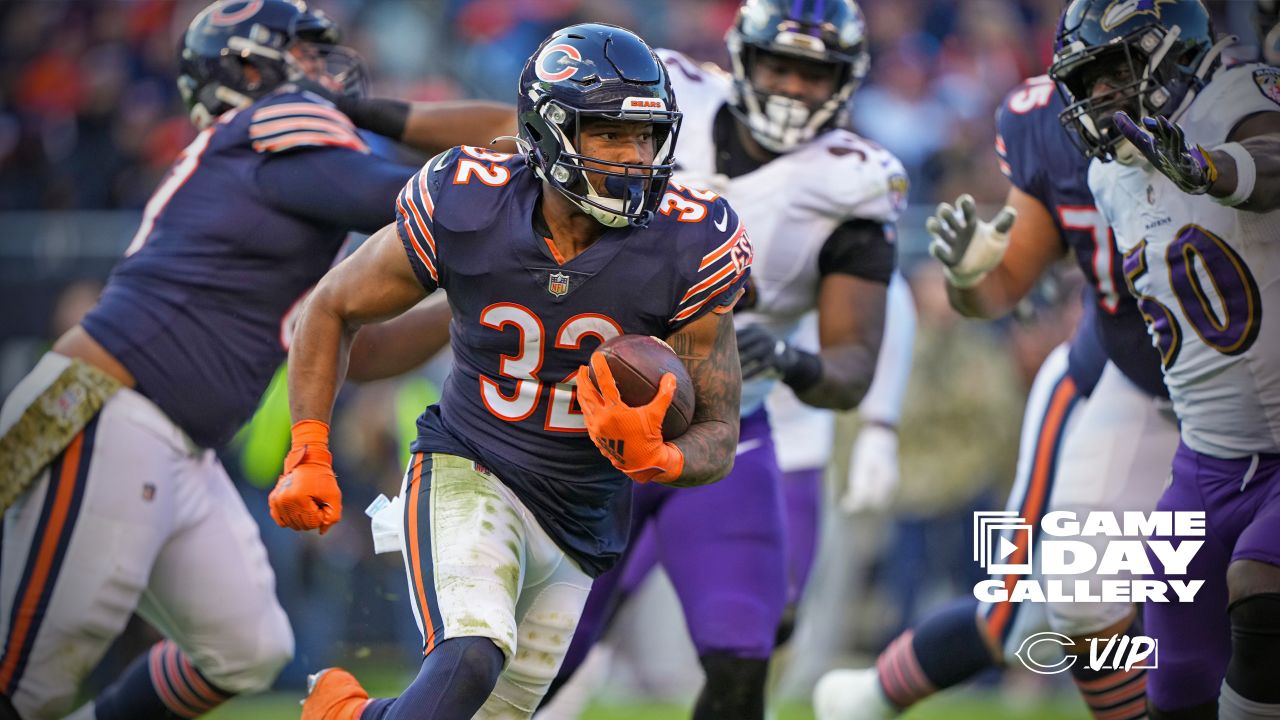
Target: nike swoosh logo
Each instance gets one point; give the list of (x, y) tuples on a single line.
[(747, 446), (444, 156), (723, 222)]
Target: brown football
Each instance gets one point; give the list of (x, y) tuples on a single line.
[(638, 363)]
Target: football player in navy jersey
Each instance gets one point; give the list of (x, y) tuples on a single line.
[(518, 492), (114, 498), (821, 203), (1097, 434)]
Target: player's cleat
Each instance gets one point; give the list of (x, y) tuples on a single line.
[(851, 695), (334, 694)]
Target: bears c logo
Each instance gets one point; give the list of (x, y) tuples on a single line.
[(549, 58), (228, 14)]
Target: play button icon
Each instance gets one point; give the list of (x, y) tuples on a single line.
[(1006, 548)]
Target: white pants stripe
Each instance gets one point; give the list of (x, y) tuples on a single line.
[(161, 530), (1111, 452)]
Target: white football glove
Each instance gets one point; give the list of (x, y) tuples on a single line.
[(873, 470), (968, 247)]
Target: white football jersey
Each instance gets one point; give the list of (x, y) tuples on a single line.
[(790, 206), (1207, 278)]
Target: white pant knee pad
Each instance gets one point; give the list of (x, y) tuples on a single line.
[(250, 661)]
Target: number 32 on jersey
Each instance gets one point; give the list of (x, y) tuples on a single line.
[(523, 367)]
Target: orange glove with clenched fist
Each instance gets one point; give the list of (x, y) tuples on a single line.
[(631, 437), (306, 496)]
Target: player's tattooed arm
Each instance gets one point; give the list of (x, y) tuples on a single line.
[(708, 349), (850, 325), (374, 284)]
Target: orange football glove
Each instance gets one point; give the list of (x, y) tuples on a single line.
[(631, 437), (306, 496)]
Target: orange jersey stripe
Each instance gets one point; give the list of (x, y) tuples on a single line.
[(693, 309), (48, 546), (417, 217), (281, 130), (306, 139), (715, 277), (1037, 492), (271, 127), (427, 203), (720, 252), (415, 554), (285, 109), (417, 247)]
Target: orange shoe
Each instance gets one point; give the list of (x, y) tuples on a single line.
[(334, 694)]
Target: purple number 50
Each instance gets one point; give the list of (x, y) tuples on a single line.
[(1216, 294)]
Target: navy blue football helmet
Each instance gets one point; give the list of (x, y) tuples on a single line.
[(282, 40), (827, 31), (591, 71), (1154, 55)]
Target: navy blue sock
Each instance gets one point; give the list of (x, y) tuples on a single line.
[(949, 647), (161, 684), (944, 650), (454, 681)]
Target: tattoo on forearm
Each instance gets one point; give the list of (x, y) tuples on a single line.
[(685, 348), (709, 444)]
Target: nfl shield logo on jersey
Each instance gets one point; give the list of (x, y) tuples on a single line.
[(558, 284)]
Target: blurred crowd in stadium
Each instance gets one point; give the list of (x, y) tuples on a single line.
[(90, 119)]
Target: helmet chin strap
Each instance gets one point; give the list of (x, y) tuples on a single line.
[(605, 217), (626, 195)]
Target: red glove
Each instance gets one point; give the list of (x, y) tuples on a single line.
[(631, 437), (306, 496)]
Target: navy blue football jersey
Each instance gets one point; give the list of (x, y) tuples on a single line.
[(523, 323), (1038, 156), (249, 218)]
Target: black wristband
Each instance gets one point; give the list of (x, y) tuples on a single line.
[(383, 116), (806, 372)]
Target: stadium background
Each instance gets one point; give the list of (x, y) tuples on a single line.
[(90, 120)]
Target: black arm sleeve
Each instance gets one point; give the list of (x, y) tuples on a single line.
[(861, 248), (336, 186), (384, 116)]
